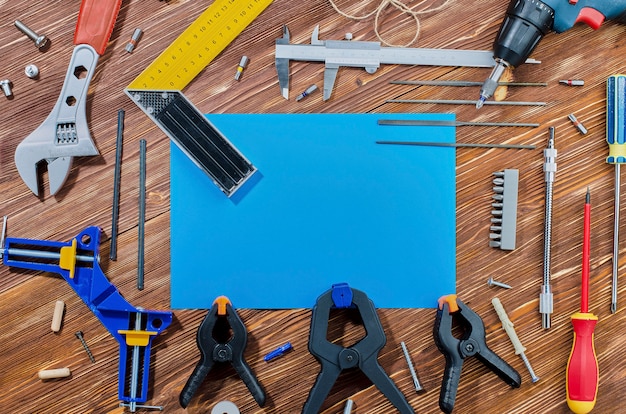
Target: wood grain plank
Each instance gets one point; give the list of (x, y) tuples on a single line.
[(27, 298)]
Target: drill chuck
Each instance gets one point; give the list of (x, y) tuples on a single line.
[(526, 22)]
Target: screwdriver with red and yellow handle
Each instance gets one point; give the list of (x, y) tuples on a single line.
[(582, 375)]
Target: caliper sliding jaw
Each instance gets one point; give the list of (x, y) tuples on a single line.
[(366, 55), (134, 328)]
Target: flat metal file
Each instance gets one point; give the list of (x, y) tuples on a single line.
[(366, 55), (432, 122)]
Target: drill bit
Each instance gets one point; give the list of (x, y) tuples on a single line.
[(491, 84), (549, 168)]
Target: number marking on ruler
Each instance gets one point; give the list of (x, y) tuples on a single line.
[(199, 44)]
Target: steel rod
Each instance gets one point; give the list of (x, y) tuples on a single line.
[(142, 215), (116, 184)]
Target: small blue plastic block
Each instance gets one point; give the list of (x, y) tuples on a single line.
[(342, 295), (278, 352)]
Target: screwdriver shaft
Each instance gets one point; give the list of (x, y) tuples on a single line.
[(615, 239)]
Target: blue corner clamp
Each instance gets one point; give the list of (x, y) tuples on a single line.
[(77, 262)]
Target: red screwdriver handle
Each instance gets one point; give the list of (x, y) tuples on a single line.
[(96, 20), (582, 366)]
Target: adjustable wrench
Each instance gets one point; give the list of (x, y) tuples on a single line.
[(64, 134)]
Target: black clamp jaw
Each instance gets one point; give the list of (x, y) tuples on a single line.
[(364, 354), (216, 345), (471, 343)]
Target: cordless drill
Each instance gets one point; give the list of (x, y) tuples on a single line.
[(527, 21)]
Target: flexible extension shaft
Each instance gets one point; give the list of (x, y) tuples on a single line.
[(549, 168)]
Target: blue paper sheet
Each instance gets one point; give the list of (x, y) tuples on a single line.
[(327, 205)]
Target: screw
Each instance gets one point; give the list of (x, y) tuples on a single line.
[(32, 71), (492, 282), (79, 335), (6, 87), (40, 40)]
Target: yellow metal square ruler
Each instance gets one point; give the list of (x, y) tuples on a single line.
[(157, 90)]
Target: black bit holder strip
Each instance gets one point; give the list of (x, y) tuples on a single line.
[(196, 136)]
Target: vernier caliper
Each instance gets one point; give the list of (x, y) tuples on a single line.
[(366, 55)]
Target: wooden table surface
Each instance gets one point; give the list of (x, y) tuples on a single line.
[(27, 344)]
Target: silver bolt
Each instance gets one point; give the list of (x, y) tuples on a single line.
[(492, 282), (40, 40), (6, 87), (79, 335), (32, 71)]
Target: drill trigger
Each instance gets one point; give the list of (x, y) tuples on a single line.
[(456, 350), (591, 17)]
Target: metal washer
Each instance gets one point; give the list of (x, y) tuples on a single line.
[(225, 407)]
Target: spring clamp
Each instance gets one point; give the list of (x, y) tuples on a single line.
[(217, 346), (364, 354), (471, 343)]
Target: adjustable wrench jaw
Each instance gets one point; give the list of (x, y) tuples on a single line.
[(64, 134)]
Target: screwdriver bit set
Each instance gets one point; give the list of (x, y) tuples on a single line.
[(504, 221)]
